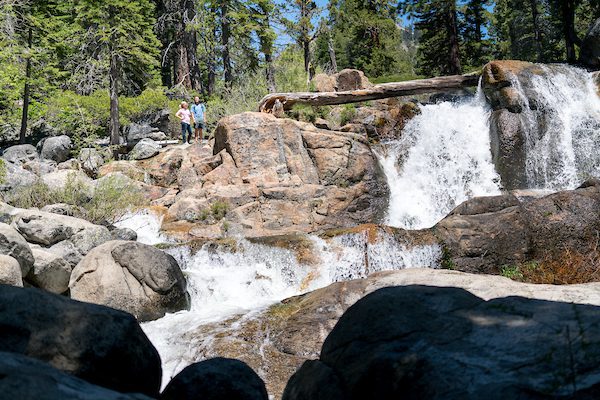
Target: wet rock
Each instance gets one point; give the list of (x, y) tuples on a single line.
[(10, 271), (216, 379), (428, 342), (20, 154), (145, 148), (103, 346), (130, 276), (28, 379), (590, 48), (57, 148), (14, 245), (50, 272), (508, 148)]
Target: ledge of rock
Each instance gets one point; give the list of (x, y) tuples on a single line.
[(132, 277)]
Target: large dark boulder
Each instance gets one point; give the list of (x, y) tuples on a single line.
[(216, 379), (25, 378), (103, 346), (57, 149), (483, 234), (421, 342), (590, 48)]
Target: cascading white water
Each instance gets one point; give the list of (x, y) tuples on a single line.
[(223, 283), (562, 127), (442, 159)]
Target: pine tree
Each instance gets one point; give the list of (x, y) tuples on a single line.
[(437, 26), (301, 27), (123, 32)]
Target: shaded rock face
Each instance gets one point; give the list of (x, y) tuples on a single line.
[(445, 343), (507, 129), (20, 154), (483, 234), (216, 379), (28, 379), (590, 48), (130, 276), (50, 271), (103, 346)]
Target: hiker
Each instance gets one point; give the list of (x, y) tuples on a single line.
[(199, 113), (185, 116)]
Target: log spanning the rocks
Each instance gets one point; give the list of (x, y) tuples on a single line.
[(376, 92)]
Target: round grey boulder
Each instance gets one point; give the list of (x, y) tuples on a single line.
[(132, 277), (20, 154), (57, 149), (145, 148), (10, 271)]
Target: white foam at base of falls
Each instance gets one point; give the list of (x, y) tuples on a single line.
[(222, 284), (562, 127), (442, 159), (146, 224)]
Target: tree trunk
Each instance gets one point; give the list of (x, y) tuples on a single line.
[(26, 90), (537, 35), (113, 126), (332, 56), (270, 72), (225, 35), (190, 42), (385, 90), (182, 74), (571, 39), (454, 53)]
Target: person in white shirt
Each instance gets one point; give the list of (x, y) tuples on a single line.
[(185, 116)]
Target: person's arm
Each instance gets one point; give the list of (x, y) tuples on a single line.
[(179, 115)]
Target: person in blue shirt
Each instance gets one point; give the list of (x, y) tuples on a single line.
[(199, 113)]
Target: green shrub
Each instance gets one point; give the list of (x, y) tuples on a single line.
[(112, 198), (511, 272), (348, 114), (307, 113), (2, 171), (219, 210)]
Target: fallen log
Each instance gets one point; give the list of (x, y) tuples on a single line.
[(376, 92)]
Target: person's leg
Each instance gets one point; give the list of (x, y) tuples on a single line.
[(190, 133), (183, 131), (201, 134)]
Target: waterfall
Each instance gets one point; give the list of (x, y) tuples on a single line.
[(562, 127), (442, 159), (243, 278)]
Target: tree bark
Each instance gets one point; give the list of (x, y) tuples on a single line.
[(26, 89), (332, 56), (190, 42), (537, 35), (454, 53), (225, 35), (113, 127), (571, 39), (385, 90), (270, 72)]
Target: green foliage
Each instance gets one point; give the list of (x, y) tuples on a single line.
[(219, 209), (112, 198), (511, 272), (2, 171), (348, 113), (307, 113), (365, 35)]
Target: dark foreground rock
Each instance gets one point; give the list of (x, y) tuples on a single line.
[(25, 378), (590, 48), (278, 340), (103, 346), (132, 277), (420, 342), (216, 379)]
